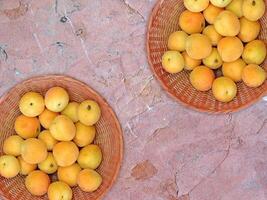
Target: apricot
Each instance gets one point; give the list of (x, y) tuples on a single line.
[(172, 62), (197, 42), (33, 151), (90, 156), (201, 78), (253, 75), (9, 166), (191, 22), (84, 134), (65, 153), (224, 89), (89, 180), (196, 5), (176, 41), (236, 7), (37, 183), (48, 139), (233, 70), (89, 112), (59, 191), (212, 34), (211, 12), (12, 145), (31, 104), (27, 127), (220, 3), (214, 60), (47, 117), (253, 10), (249, 30), (227, 24), (230, 48), (254, 52), (69, 174), (49, 165), (71, 111), (62, 128), (190, 63), (56, 99), (25, 168)]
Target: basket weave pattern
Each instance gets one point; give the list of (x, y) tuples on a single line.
[(109, 134), (164, 21)]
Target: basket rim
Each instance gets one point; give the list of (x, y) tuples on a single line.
[(167, 89), (117, 123)]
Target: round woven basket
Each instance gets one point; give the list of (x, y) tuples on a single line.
[(164, 21), (109, 134)]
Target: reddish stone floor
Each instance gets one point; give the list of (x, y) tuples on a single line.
[(171, 153)]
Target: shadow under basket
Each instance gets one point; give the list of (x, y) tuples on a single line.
[(108, 137), (164, 21)]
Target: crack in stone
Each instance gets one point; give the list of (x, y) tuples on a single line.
[(3, 54), (130, 128), (56, 5), (136, 74), (81, 39), (138, 114), (261, 127), (154, 100), (215, 169), (156, 132), (147, 83), (133, 10), (220, 163), (230, 118), (176, 183), (232, 135)]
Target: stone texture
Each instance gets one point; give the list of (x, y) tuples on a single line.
[(171, 153)]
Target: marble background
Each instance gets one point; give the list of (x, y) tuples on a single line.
[(171, 153)]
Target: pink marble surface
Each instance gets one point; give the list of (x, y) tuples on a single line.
[(171, 153)]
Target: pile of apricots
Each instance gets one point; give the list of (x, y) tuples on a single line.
[(218, 43), (49, 133)]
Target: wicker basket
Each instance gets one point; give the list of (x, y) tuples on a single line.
[(109, 134), (164, 21)]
